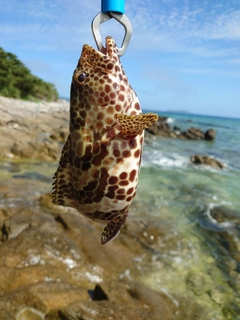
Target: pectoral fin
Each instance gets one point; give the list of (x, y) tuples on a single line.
[(134, 125)]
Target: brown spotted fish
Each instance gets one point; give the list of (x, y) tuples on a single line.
[(100, 161)]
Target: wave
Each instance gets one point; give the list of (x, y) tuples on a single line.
[(170, 120), (211, 223), (157, 158)]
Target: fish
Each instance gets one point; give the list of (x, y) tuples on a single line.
[(100, 160)]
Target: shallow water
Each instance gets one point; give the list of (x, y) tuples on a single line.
[(179, 196)]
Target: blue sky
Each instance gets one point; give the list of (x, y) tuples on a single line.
[(183, 55)]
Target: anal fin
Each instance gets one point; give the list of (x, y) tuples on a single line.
[(134, 125), (112, 229)]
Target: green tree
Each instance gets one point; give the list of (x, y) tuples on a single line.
[(16, 80)]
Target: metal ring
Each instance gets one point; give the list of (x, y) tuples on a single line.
[(105, 16)]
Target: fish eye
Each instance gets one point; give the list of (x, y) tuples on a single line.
[(81, 78)]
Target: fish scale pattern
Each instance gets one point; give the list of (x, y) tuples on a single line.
[(100, 161)]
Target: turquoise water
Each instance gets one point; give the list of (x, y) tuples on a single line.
[(169, 177), (179, 196)]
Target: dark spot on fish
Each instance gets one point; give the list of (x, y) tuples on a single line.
[(111, 192), (116, 153), (137, 153), (123, 175), (121, 97), (123, 183), (121, 191), (97, 160), (90, 186), (113, 180), (109, 66), (132, 175), (126, 154), (86, 166), (77, 162), (120, 197), (130, 190)]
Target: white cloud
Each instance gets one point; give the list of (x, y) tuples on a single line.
[(157, 25)]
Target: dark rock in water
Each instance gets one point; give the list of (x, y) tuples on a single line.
[(225, 242), (224, 214), (175, 128), (210, 134), (192, 134), (162, 129), (205, 160)]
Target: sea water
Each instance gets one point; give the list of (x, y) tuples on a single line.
[(177, 193), (177, 196), (169, 178)]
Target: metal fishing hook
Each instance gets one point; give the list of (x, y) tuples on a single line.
[(112, 10)]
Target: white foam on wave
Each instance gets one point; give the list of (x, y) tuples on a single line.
[(211, 205), (157, 158), (170, 120)]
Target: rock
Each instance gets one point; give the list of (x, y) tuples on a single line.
[(32, 130), (130, 300), (210, 134), (175, 128), (162, 128), (192, 134), (54, 265), (30, 314), (223, 214), (205, 160), (5, 225), (98, 294)]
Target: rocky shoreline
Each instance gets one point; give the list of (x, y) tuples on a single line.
[(32, 130), (162, 129), (53, 266)]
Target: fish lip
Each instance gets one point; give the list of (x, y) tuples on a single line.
[(104, 50), (107, 50)]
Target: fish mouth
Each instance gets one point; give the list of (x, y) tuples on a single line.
[(104, 50), (109, 48), (103, 58)]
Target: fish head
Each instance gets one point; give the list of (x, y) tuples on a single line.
[(99, 78)]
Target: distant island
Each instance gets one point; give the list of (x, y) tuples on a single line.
[(177, 111), (16, 81)]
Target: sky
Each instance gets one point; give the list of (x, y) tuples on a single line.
[(183, 54)]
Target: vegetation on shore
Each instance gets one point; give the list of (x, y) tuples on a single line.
[(16, 81)]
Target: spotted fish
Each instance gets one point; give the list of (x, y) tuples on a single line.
[(100, 161)]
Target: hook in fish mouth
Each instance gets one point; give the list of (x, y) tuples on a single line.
[(108, 55), (122, 19), (110, 47)]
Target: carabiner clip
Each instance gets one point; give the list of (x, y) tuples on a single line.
[(105, 16)]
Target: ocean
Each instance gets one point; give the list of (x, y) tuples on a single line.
[(169, 175), (182, 197)]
